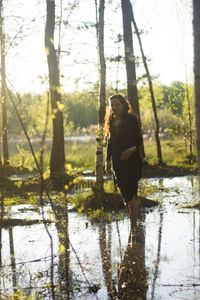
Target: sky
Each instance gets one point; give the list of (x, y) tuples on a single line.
[(167, 42)]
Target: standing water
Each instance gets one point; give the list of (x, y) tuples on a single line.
[(100, 261)]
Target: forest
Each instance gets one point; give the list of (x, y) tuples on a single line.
[(66, 226), (80, 111)]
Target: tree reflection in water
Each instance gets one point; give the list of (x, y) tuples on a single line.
[(1, 222), (12, 258), (132, 275), (65, 286), (105, 250)]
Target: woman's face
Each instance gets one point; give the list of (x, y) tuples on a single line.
[(116, 106)]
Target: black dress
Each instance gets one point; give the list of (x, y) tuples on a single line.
[(127, 172)]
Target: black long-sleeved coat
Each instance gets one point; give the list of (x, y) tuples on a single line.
[(128, 172)]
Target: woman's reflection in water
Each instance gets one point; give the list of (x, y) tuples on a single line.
[(132, 275)]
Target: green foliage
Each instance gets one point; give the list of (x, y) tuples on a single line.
[(105, 208), (173, 97), (109, 187), (173, 151), (24, 159), (80, 109), (144, 189), (172, 108), (11, 199), (81, 156), (32, 109), (20, 295)]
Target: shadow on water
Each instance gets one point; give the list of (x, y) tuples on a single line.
[(102, 261)]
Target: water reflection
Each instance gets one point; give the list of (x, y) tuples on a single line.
[(64, 275), (183, 190), (105, 250), (163, 263), (129, 280), (12, 260), (1, 221), (132, 275), (174, 262), (157, 262)]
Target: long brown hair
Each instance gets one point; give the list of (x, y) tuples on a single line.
[(109, 116)]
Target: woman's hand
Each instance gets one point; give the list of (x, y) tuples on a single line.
[(126, 154), (108, 166)]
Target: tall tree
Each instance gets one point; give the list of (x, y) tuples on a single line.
[(189, 116), (196, 30), (3, 89), (57, 160), (130, 61), (153, 101), (102, 97)]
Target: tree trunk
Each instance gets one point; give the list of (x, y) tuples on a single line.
[(158, 144), (102, 97), (3, 90), (196, 30), (130, 62), (57, 160), (190, 121)]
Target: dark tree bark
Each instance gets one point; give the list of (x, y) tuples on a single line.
[(158, 144), (196, 30), (130, 62), (129, 57), (102, 97), (57, 160), (3, 90), (190, 133)]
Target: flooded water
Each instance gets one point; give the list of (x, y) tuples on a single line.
[(101, 262)]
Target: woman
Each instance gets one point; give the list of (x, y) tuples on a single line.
[(123, 142)]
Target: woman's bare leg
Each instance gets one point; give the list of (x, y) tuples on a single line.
[(132, 209)]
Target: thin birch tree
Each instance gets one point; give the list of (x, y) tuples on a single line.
[(196, 31), (3, 90), (102, 97)]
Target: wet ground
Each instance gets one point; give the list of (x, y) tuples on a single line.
[(101, 261)]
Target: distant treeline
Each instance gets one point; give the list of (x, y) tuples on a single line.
[(80, 110)]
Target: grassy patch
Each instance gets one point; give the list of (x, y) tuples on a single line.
[(105, 208), (109, 206), (21, 222), (81, 156), (173, 153)]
